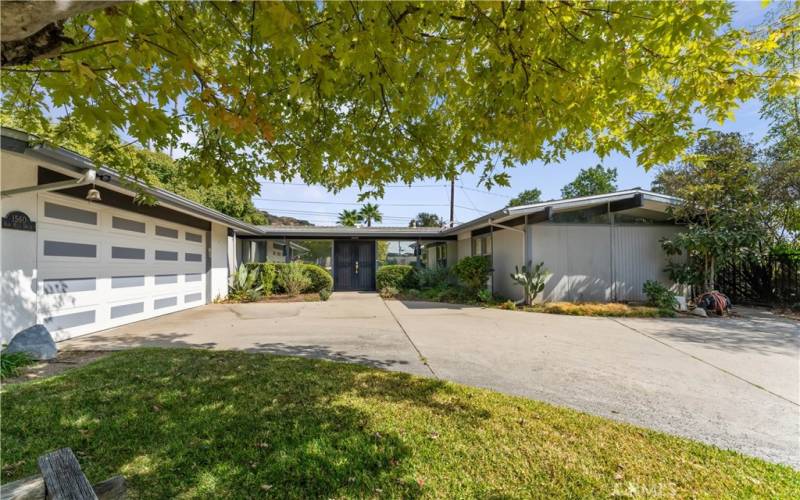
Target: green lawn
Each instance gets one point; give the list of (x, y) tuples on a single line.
[(190, 423)]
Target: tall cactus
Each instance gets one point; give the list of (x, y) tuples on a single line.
[(531, 279)]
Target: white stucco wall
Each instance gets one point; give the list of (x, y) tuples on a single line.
[(219, 261), (17, 248), (464, 245), (506, 254)]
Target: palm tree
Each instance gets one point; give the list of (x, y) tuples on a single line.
[(349, 218), (369, 213)]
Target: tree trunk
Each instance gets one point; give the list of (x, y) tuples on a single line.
[(35, 30)]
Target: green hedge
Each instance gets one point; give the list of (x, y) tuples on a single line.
[(397, 276), (320, 278)]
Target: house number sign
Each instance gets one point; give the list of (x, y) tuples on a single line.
[(18, 220)]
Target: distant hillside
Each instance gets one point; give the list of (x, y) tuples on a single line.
[(277, 220)]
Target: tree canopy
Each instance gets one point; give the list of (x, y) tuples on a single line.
[(527, 197), (591, 181), (426, 219), (343, 93)]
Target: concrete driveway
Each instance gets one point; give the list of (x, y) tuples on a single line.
[(734, 383)]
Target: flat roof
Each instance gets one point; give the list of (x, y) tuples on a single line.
[(654, 201), (340, 232)]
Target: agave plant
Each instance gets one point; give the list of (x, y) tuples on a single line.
[(243, 285), (531, 279)]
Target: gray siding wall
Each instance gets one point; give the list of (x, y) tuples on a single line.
[(598, 262)]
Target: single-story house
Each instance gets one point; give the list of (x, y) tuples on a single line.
[(597, 248), (80, 255)]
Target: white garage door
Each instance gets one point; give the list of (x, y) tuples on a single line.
[(100, 267)]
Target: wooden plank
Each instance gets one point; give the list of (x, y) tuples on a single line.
[(111, 489), (29, 488), (63, 477)]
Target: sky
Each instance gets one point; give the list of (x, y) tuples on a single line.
[(402, 203)]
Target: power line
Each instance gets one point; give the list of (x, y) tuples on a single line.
[(482, 191), (361, 203)]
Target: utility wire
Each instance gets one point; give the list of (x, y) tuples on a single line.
[(361, 203), (482, 191)]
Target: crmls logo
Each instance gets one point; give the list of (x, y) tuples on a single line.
[(630, 489), (18, 220)]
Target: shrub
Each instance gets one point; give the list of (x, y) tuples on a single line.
[(320, 278), (485, 295), (324, 294), (12, 363), (400, 277), (508, 305), (436, 277), (388, 292), (473, 273), (292, 278), (659, 295), (601, 309), (243, 286), (266, 275)]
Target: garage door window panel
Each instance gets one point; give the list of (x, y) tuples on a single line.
[(167, 232), (128, 253), (123, 310), (66, 213), (126, 281), (166, 279), (69, 249), (68, 285), (193, 237), (128, 225), (70, 320), (193, 257), (166, 255), (193, 277), (165, 302)]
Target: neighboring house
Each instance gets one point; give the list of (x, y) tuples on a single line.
[(79, 266)]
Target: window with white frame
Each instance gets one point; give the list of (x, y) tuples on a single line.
[(482, 245)]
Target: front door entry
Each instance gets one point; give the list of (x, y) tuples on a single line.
[(354, 265)]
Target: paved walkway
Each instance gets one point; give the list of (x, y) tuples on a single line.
[(734, 383)]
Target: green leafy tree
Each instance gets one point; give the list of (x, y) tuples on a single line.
[(591, 181), (367, 93), (426, 219), (721, 208), (370, 213), (349, 218), (527, 197), (780, 175), (155, 168)]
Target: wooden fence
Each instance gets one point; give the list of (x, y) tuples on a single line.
[(770, 281)]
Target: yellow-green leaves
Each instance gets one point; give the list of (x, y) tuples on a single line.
[(368, 93)]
